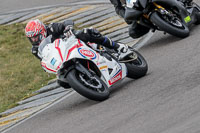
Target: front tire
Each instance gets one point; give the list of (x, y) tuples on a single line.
[(181, 32), (81, 84), (136, 68)]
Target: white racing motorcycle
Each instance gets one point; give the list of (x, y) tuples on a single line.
[(90, 72)]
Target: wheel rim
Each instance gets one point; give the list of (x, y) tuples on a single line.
[(91, 82), (176, 23), (173, 20)]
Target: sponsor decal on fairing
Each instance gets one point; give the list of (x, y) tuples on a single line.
[(116, 78), (87, 53), (53, 61), (103, 67)]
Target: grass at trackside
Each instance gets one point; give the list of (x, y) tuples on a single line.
[(20, 71)]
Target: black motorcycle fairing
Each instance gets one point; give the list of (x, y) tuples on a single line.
[(132, 14), (175, 4), (147, 23), (143, 3)]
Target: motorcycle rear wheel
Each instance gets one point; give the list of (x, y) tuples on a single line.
[(81, 84), (136, 68), (181, 32)]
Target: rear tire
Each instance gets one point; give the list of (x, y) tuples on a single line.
[(90, 92), (169, 28)]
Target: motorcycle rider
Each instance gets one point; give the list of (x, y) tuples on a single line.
[(136, 30), (38, 33)]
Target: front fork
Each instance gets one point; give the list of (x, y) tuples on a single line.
[(62, 73), (82, 69), (158, 8)]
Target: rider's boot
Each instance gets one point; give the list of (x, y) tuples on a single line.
[(121, 48)]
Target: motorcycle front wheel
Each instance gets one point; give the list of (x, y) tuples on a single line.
[(90, 87), (175, 27), (138, 67)]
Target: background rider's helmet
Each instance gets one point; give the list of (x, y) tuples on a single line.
[(35, 31)]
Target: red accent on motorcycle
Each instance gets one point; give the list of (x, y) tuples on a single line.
[(116, 78), (57, 42), (44, 65)]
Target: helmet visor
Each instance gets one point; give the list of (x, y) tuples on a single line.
[(35, 40)]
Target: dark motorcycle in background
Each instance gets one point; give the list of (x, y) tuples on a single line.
[(171, 16)]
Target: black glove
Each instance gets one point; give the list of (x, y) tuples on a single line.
[(68, 31), (34, 51)]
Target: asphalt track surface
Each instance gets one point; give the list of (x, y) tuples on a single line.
[(166, 100)]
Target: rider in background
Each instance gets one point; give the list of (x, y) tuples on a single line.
[(38, 33), (136, 30)]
